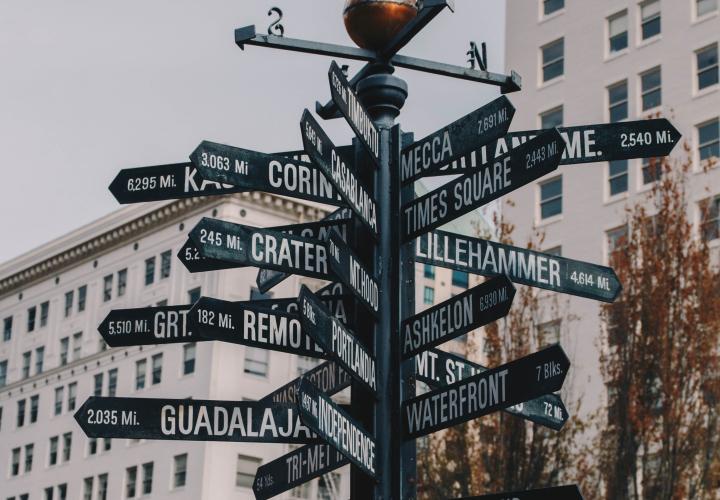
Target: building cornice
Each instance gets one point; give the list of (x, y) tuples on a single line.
[(100, 241)]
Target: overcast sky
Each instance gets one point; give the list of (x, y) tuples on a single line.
[(88, 88)]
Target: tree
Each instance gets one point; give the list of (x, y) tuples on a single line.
[(660, 352)]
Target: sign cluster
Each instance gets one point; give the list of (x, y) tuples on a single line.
[(327, 324)]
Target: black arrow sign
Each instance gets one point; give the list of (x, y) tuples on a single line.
[(467, 134), (329, 377), (557, 493), (354, 112), (296, 468), (340, 219), (336, 340), (245, 324), (192, 420), (527, 267), (249, 246), (463, 313), (190, 257), (521, 166), (348, 269), (583, 144), (548, 411), (507, 385), (254, 171), (146, 326), (172, 181), (333, 164), (335, 426)]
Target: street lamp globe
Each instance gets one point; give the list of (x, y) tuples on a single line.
[(372, 24)]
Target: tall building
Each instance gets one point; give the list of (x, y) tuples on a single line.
[(52, 359), (586, 62)]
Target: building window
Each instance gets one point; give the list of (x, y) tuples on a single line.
[(140, 369), (552, 118), (551, 198), (246, 469), (39, 360), (62, 491), (15, 467), (651, 170), (82, 295), (64, 349), (460, 278), (102, 486), (58, 400), (257, 361), (20, 413), (651, 86), (165, 260), (72, 396), (29, 455), (429, 271), (69, 302), (616, 241), (112, 382), (26, 362), (549, 333), (122, 282), (180, 474), (31, 318), (553, 60), (147, 481), (77, 346), (3, 373), (107, 444), (618, 32), (703, 7), (618, 176), (709, 140), (49, 493), (710, 219), (328, 485), (188, 359), (107, 288), (708, 70), (150, 271), (92, 446), (650, 18), (7, 329), (98, 379), (157, 369), (44, 313), (88, 488), (53, 456), (550, 6), (428, 295), (130, 482), (618, 101), (67, 446), (194, 295), (34, 405)]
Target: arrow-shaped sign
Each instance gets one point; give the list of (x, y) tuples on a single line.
[(463, 313), (190, 257), (335, 426), (519, 167), (349, 270), (296, 468), (254, 171), (146, 326), (467, 134), (493, 390), (527, 267), (557, 493), (340, 219), (354, 112), (329, 377), (192, 420), (245, 324), (583, 144), (250, 246), (336, 340), (439, 369), (338, 171)]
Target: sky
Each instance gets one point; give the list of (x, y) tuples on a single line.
[(88, 88)]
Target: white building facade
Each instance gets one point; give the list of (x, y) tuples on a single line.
[(52, 358), (586, 62)]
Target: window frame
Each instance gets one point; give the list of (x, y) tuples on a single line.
[(644, 93), (177, 472), (551, 199), (609, 39), (545, 64), (619, 103), (644, 22), (716, 67), (543, 8), (713, 142)]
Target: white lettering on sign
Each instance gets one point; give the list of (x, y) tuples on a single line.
[(438, 323), (363, 284), (357, 115), (346, 436), (271, 329), (299, 179), (294, 254), (357, 196), (171, 325), (190, 186), (310, 460), (354, 355)]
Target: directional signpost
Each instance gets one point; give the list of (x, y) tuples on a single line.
[(382, 346), (439, 369)]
